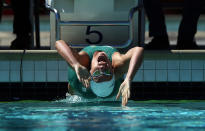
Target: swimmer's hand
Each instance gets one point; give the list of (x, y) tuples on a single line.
[(82, 74), (124, 91)]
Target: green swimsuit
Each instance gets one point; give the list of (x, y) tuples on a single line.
[(77, 86)]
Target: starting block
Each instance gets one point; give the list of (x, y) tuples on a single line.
[(119, 23)]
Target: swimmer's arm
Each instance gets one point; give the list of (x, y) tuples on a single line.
[(136, 56), (131, 61), (128, 63), (78, 61), (72, 57)]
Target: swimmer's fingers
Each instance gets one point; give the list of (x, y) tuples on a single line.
[(125, 103), (125, 96), (79, 78), (83, 82), (126, 92), (118, 94), (125, 100), (87, 83), (120, 91)]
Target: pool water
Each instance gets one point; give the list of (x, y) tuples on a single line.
[(105, 116)]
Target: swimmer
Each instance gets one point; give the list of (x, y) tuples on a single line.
[(98, 71)]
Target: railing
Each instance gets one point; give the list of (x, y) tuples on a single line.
[(128, 23)]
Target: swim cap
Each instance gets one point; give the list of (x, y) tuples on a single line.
[(103, 89)]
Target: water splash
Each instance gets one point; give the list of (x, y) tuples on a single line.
[(72, 99), (79, 99)]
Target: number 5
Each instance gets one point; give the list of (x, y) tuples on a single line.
[(89, 32)]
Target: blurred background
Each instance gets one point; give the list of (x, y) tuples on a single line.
[(172, 12)]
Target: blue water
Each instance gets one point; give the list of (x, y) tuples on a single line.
[(105, 116)]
